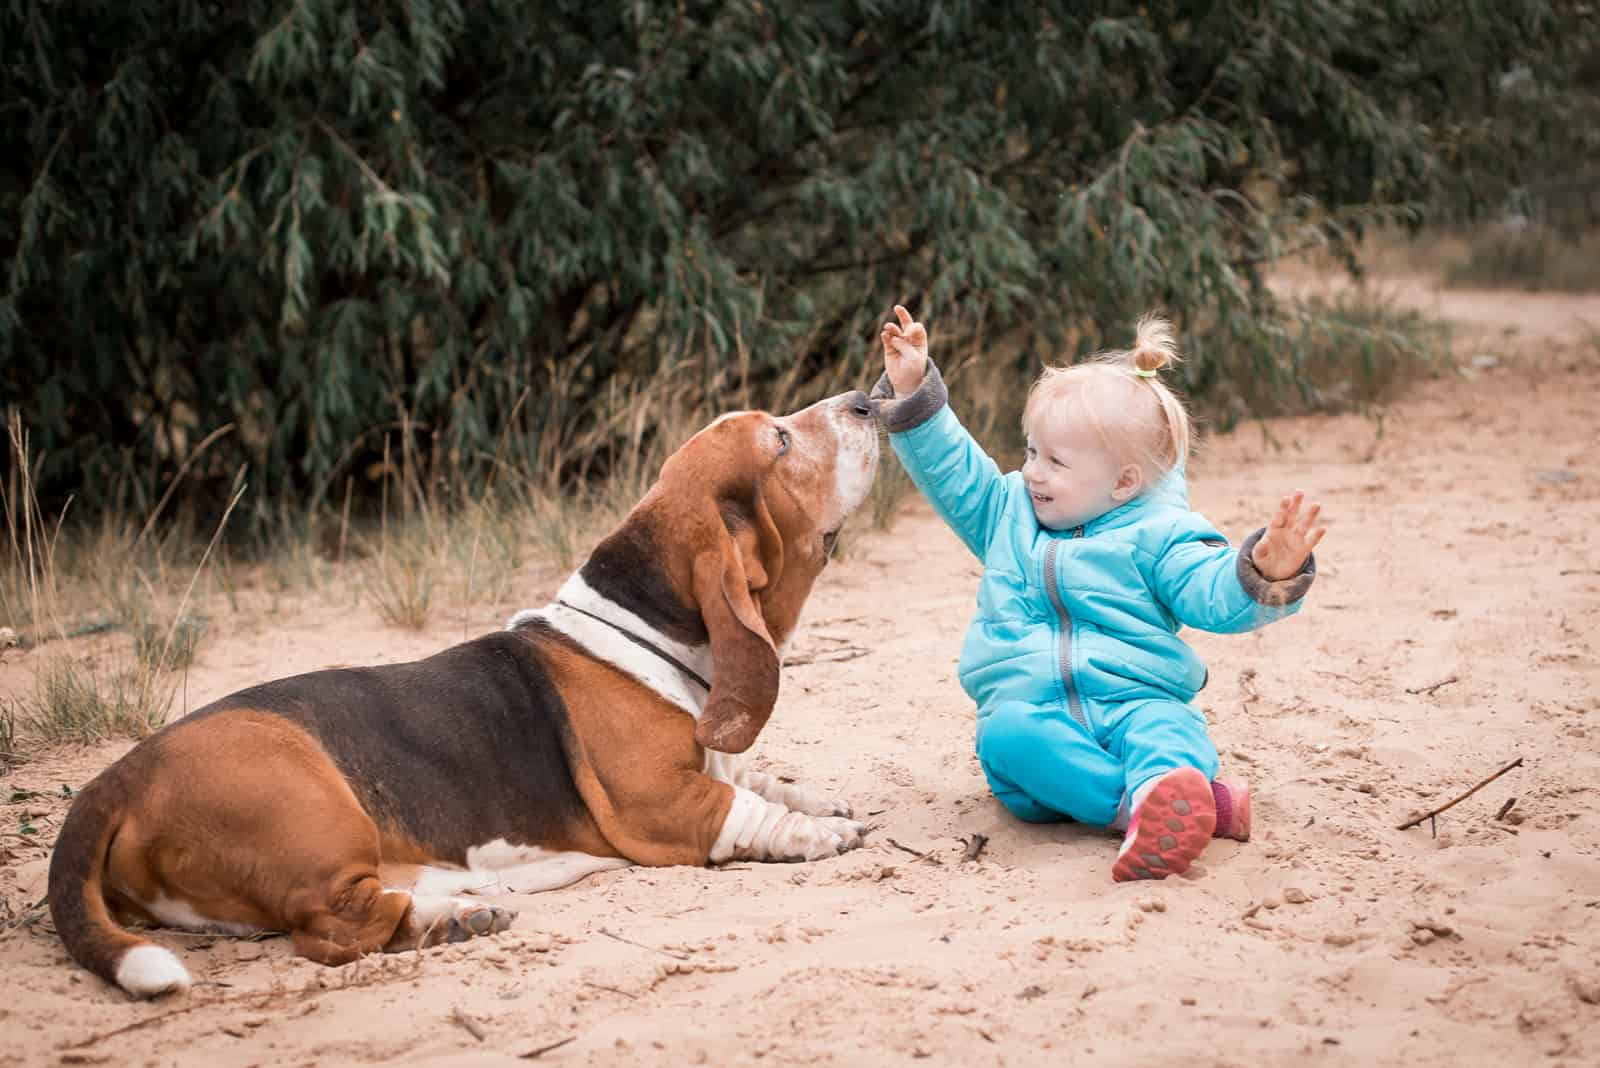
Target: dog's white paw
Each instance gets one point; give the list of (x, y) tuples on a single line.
[(847, 832), (836, 806), (476, 920), (455, 919)]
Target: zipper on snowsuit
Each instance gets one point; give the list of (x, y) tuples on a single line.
[(1074, 704)]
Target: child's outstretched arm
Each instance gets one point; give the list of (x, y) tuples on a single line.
[(958, 478), (1209, 586)]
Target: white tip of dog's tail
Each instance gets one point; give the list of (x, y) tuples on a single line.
[(150, 971)]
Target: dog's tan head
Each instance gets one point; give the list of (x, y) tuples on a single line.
[(742, 520)]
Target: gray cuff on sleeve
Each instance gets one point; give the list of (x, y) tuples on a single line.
[(906, 413), (1265, 591)]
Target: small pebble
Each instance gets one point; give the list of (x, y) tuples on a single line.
[(1295, 896)]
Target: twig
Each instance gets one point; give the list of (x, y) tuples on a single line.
[(974, 846), (1337, 675), (472, 1026), (914, 852), (641, 945), (1435, 686), (830, 656), (1517, 763), (1505, 808), (151, 1021), (614, 990), (542, 1050)]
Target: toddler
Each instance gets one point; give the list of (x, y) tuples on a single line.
[(1092, 561)]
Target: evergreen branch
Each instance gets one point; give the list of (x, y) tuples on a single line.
[(366, 170), (24, 244), (853, 265)]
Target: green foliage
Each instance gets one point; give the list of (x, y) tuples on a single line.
[(466, 229), (1534, 154)]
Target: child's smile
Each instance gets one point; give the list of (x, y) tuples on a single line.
[(1070, 475)]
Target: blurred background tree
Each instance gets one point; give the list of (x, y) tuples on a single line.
[(485, 230)]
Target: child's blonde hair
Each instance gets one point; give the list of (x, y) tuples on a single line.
[(1138, 418)]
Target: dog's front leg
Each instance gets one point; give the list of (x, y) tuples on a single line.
[(731, 769), (758, 829), (795, 797)]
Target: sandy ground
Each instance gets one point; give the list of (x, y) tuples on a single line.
[(1451, 630)]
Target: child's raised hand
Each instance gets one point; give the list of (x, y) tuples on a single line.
[(905, 352), (1289, 539)]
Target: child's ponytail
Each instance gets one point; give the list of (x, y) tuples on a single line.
[(1154, 347)]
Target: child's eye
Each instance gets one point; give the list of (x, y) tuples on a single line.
[(1056, 463), (1029, 451)]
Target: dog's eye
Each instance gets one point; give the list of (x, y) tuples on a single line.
[(783, 441)]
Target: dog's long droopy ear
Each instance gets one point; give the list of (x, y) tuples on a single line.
[(744, 684)]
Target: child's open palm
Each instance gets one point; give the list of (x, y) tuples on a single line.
[(1289, 539), (905, 352)]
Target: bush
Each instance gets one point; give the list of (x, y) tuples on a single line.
[(283, 235)]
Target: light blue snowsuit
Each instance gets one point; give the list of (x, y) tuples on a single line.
[(1083, 686)]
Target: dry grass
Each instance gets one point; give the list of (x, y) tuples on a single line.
[(124, 690), (11, 753), (153, 650), (400, 580), (73, 700), (1501, 256), (548, 499), (1527, 257)]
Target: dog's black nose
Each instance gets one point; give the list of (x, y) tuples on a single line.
[(857, 402)]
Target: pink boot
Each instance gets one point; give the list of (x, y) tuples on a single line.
[(1233, 809), (1168, 829)]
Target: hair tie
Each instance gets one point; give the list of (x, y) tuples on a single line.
[(1145, 373)]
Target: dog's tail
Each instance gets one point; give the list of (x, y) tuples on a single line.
[(78, 903)]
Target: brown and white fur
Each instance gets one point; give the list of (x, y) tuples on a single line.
[(352, 807)]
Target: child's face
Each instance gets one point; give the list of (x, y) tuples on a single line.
[(1071, 476)]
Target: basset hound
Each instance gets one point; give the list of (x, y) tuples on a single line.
[(352, 807)]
